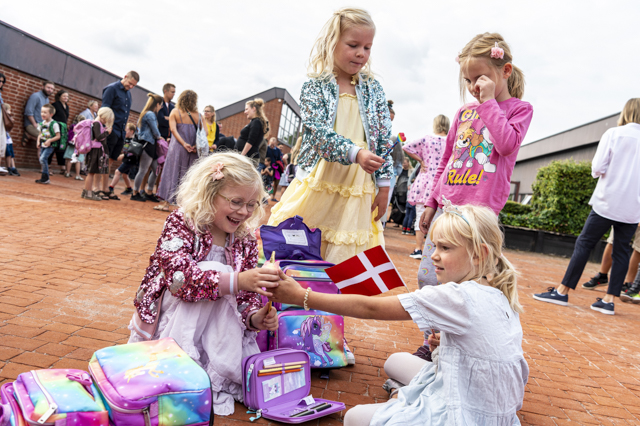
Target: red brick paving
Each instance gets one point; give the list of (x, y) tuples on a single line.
[(70, 268)]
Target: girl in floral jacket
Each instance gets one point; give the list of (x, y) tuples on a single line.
[(201, 287), (346, 133)]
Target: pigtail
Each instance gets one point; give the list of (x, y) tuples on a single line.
[(515, 84), (506, 280)]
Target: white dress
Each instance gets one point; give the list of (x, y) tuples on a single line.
[(212, 333), (480, 374)]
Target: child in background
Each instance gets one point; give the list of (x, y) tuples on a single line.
[(9, 154), (128, 162), (428, 153), (479, 373), (49, 134), (71, 150), (342, 144), (266, 171), (483, 143), (97, 159), (191, 292)]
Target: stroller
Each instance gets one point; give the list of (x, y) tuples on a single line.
[(399, 198)]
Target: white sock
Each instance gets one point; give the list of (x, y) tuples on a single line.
[(558, 291)]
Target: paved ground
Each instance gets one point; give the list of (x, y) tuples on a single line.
[(70, 267)]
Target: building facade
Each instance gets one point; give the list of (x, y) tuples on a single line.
[(281, 109)]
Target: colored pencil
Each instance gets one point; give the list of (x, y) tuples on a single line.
[(291, 367), (273, 373), (285, 364)]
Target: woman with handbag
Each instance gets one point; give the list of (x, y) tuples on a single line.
[(148, 134), (184, 122)]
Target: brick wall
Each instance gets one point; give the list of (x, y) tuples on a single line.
[(16, 92), (231, 126)]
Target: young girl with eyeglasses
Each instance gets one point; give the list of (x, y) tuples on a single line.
[(202, 287)]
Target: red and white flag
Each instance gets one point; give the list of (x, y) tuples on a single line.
[(368, 273)]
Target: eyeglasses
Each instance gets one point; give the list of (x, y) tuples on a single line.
[(236, 204)]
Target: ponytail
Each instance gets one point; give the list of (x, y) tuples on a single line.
[(506, 280), (515, 84), (258, 104)]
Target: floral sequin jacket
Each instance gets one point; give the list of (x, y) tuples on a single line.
[(173, 267), (319, 108)]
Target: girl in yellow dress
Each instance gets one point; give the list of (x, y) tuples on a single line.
[(343, 174)]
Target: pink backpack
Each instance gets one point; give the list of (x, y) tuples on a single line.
[(83, 137)]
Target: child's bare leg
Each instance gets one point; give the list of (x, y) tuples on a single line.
[(633, 267), (88, 183), (77, 168), (126, 179), (67, 164), (116, 178)]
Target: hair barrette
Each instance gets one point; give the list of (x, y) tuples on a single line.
[(447, 207), (216, 171), (497, 52), (458, 58)]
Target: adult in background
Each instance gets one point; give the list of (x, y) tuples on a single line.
[(33, 107), (398, 158), (117, 96), (92, 110), (149, 133), (61, 116), (427, 151), (274, 153), (168, 92), (213, 130), (615, 202), (184, 121), (252, 134)]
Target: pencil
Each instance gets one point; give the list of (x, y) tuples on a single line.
[(285, 364), (267, 370), (273, 373)]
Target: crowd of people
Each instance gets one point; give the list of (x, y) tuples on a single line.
[(341, 176)]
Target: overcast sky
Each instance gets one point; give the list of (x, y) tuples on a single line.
[(580, 58)]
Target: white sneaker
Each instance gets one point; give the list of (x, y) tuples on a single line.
[(3, 171)]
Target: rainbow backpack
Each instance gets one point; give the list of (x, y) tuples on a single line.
[(152, 383), (57, 397)]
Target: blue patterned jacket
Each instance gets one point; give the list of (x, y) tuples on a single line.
[(319, 107)]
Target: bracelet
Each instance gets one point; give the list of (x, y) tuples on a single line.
[(306, 298)]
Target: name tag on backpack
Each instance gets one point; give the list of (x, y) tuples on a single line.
[(295, 237)]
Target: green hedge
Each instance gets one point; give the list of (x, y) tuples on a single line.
[(561, 192)]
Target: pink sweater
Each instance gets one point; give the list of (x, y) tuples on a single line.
[(480, 154)]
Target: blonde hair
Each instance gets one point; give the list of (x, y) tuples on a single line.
[(197, 190), (480, 47), (106, 113), (7, 107), (483, 239), (153, 101), (441, 124), (295, 151), (188, 101), (630, 113), (214, 113), (258, 104), (321, 58), (130, 126), (78, 119)]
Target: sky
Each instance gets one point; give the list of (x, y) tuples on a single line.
[(579, 57)]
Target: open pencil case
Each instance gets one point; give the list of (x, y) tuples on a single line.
[(276, 386)]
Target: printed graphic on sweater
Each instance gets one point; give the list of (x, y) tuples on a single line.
[(471, 155)]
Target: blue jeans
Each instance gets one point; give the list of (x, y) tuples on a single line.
[(409, 217), (44, 159), (593, 230)]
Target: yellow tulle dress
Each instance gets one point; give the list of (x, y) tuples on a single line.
[(336, 198)]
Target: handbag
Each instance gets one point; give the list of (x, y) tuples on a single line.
[(202, 141), (136, 147), (7, 119)]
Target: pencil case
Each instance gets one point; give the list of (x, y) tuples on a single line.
[(277, 384)]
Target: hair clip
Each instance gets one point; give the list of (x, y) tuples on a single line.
[(458, 59), (497, 52), (447, 207), (216, 171)]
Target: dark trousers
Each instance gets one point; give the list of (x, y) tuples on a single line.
[(594, 229), (410, 217)]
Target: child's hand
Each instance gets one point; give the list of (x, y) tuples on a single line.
[(120, 157), (254, 279), (265, 319), (434, 341), (288, 291), (426, 219), (381, 202), (369, 161), (47, 144), (486, 88), (109, 129)]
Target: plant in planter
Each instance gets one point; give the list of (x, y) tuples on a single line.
[(561, 193)]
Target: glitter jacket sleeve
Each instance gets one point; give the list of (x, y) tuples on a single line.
[(249, 302), (318, 106), (383, 126)]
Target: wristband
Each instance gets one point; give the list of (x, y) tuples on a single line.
[(306, 298)]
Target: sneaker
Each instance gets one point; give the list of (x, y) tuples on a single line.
[(150, 197), (79, 178), (3, 171), (404, 231), (12, 173), (412, 232), (631, 294), (417, 254), (43, 182), (552, 296), (138, 197), (596, 281), (127, 191), (67, 175), (603, 307), (625, 287)]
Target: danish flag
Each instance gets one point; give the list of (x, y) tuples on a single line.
[(368, 273)]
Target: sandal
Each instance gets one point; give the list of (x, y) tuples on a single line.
[(112, 196), (84, 194), (161, 208), (94, 196), (103, 195)]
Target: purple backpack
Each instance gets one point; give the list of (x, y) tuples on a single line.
[(276, 386), (83, 137), (291, 239)]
